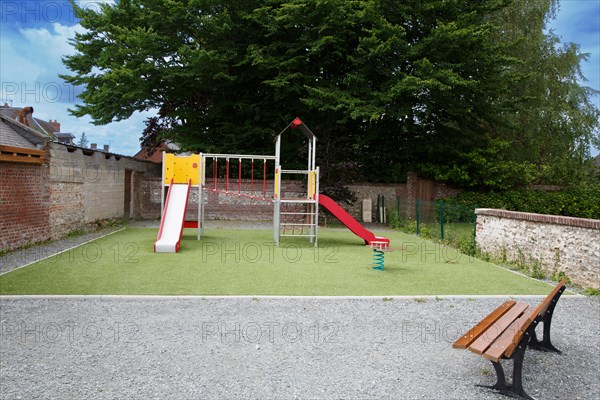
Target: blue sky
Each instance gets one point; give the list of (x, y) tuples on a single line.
[(34, 36)]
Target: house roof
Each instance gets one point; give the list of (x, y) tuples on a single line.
[(42, 126), (156, 156), (13, 133)]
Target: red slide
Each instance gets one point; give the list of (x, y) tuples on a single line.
[(352, 224)]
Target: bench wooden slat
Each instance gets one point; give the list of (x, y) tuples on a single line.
[(543, 307), (491, 334), (507, 332), (464, 341), (539, 311), (511, 337)]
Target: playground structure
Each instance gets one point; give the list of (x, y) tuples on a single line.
[(292, 216)]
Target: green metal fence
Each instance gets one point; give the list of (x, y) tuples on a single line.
[(434, 219)]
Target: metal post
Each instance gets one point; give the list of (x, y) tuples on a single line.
[(309, 157), (310, 210), (277, 205), (316, 205), (474, 223), (277, 151), (201, 195), (418, 216), (276, 224), (442, 220), (162, 187), (314, 153)]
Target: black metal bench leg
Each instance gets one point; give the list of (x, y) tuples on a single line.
[(515, 389), (545, 344), (517, 383), (501, 384)]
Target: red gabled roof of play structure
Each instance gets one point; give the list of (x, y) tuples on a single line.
[(298, 124)]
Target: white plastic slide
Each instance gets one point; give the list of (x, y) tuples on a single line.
[(171, 224)]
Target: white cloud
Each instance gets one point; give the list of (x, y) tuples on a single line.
[(48, 47), (30, 61), (13, 65), (123, 136)]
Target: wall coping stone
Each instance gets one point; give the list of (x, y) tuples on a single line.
[(541, 218)]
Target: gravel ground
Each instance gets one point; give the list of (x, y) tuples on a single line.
[(266, 348)]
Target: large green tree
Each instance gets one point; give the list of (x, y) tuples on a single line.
[(552, 128), (387, 86)]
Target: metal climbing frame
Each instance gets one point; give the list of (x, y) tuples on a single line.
[(236, 185), (304, 208), (309, 204)]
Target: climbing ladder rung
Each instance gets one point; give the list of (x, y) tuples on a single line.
[(299, 235), (293, 224), (299, 201), (297, 213)]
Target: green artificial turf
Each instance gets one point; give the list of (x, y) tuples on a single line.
[(244, 262)]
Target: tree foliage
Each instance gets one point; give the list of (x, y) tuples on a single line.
[(83, 141), (451, 89), (554, 126)]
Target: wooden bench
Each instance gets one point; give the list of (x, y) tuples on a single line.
[(507, 332)]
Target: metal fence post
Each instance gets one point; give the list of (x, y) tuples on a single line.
[(474, 222), (418, 216), (441, 220)]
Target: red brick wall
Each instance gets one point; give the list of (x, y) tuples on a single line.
[(232, 207), (23, 204), (218, 204)]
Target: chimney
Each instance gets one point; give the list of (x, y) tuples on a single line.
[(106, 148), (93, 146), (55, 125), (23, 113)]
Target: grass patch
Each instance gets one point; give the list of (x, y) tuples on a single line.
[(242, 262), (592, 292)]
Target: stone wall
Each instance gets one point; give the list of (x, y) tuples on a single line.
[(150, 195), (24, 203), (371, 191), (555, 243), (87, 186), (414, 188), (425, 190)]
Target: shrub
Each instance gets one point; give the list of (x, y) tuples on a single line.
[(579, 202)]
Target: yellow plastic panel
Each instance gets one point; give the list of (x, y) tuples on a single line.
[(312, 183), (181, 169), (277, 178)]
